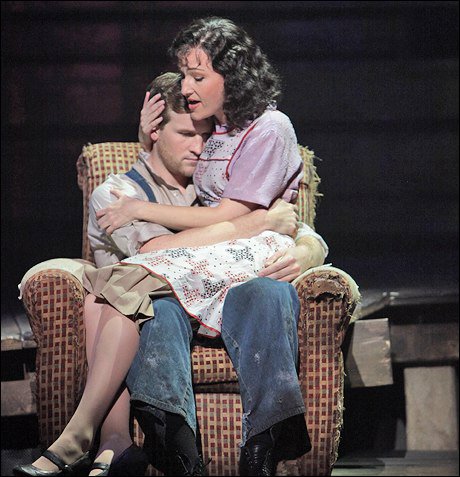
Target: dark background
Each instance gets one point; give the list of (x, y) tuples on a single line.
[(371, 87)]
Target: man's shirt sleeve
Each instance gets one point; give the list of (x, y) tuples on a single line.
[(124, 241), (305, 230)]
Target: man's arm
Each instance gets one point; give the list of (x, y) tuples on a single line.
[(125, 241)]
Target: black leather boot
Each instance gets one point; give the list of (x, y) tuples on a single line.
[(180, 464), (258, 455)]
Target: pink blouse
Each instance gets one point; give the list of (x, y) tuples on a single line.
[(258, 164)]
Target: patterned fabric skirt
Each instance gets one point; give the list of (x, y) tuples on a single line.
[(199, 277)]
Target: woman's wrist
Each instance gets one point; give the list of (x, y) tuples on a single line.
[(144, 211), (261, 220)]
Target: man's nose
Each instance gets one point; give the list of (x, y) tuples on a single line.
[(197, 145)]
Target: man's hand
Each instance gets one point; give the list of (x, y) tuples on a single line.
[(150, 119), (284, 265), (119, 213), (282, 217), (288, 264)]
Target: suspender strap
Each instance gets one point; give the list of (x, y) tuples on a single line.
[(136, 177)]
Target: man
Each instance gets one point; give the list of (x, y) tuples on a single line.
[(160, 376)]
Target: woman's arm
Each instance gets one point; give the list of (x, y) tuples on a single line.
[(127, 209), (281, 217)]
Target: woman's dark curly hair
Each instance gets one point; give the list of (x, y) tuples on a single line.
[(251, 84)]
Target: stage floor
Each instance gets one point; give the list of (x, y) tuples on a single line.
[(408, 463), (399, 463)]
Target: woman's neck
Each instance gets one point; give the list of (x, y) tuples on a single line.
[(220, 118)]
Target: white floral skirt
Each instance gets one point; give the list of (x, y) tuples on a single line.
[(199, 277)]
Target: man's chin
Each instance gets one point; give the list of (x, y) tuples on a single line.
[(188, 171)]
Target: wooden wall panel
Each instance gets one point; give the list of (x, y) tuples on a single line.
[(65, 40), (66, 94), (384, 165), (374, 91)]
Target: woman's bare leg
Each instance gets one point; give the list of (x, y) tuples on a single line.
[(115, 342), (115, 436)]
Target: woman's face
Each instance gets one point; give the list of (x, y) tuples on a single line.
[(202, 86)]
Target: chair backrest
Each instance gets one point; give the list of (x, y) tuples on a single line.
[(97, 161)]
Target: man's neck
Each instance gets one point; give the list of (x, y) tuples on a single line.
[(157, 166)]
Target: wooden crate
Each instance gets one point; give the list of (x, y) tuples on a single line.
[(18, 365)]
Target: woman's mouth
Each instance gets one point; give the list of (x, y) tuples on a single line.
[(192, 105)]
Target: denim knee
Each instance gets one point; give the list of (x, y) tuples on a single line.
[(169, 315), (260, 287), (260, 298)]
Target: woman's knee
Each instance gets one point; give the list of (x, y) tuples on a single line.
[(91, 309)]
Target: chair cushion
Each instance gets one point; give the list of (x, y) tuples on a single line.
[(211, 366)]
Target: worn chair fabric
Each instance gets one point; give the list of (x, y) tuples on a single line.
[(54, 299)]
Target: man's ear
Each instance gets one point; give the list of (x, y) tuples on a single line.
[(154, 135)]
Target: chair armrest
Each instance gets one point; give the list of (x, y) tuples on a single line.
[(326, 287), (328, 297), (53, 300)]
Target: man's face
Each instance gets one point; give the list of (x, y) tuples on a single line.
[(181, 142)]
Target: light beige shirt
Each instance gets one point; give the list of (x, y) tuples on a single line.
[(127, 240)]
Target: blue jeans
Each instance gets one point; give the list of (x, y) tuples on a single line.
[(259, 331), (161, 373)]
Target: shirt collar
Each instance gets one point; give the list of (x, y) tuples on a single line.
[(222, 129), (158, 179)]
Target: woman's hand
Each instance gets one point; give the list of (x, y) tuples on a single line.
[(282, 217), (119, 213), (150, 119)]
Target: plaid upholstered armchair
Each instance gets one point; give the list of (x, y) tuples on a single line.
[(53, 299)]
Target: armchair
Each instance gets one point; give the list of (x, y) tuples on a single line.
[(53, 300)]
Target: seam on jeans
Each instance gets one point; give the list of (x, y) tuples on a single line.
[(179, 408), (240, 378), (223, 329)]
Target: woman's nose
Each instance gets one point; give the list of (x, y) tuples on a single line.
[(185, 87)]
